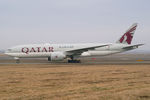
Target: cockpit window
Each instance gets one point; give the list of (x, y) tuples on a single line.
[(9, 49)]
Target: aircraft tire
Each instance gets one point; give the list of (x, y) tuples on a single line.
[(74, 61)]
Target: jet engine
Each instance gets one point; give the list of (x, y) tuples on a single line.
[(57, 56)]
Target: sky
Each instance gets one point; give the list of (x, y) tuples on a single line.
[(72, 21)]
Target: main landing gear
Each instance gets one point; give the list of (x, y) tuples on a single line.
[(73, 61)]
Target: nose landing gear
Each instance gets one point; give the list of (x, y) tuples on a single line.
[(17, 60)]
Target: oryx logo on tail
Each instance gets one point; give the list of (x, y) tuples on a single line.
[(127, 37)]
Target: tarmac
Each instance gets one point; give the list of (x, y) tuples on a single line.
[(122, 59)]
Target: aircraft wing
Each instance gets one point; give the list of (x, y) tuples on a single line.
[(81, 50), (132, 46)]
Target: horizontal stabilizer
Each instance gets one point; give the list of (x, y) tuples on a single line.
[(133, 46)]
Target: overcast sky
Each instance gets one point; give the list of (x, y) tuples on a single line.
[(72, 21)]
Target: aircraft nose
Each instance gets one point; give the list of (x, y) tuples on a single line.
[(8, 51)]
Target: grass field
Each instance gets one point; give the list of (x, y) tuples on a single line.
[(74, 82)]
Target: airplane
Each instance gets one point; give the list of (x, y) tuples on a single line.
[(59, 52)]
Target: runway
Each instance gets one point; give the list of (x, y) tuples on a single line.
[(119, 59)]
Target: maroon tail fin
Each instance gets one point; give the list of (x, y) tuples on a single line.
[(128, 35)]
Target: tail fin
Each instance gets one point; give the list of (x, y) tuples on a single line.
[(128, 35)]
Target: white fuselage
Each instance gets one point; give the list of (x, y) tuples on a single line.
[(45, 50), (55, 52)]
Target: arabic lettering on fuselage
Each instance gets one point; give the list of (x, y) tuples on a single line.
[(37, 49)]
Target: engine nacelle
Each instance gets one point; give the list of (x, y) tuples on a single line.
[(57, 56)]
